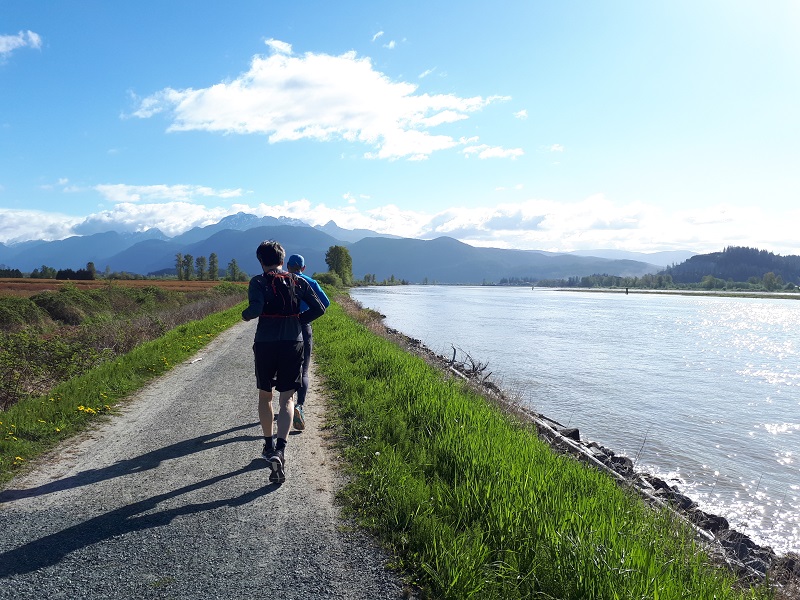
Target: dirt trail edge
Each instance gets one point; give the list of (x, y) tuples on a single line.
[(169, 499)]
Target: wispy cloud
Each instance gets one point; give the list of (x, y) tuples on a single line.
[(351, 101), (278, 46), (484, 151), (556, 148), (120, 193), (391, 45), (24, 39), (377, 35), (521, 114), (427, 72)]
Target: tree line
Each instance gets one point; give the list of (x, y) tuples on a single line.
[(737, 263), (188, 267)]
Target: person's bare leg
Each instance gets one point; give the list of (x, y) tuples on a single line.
[(265, 412), (286, 402)]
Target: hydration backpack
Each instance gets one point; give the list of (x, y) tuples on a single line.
[(281, 295)]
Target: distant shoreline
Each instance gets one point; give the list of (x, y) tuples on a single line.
[(724, 294)]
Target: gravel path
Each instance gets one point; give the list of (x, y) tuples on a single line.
[(168, 499)]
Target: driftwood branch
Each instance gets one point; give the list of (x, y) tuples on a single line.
[(469, 366)]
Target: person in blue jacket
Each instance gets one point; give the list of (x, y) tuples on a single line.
[(297, 264), (275, 299)]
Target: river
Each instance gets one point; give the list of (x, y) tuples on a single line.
[(701, 391)]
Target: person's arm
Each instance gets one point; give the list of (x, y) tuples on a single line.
[(315, 306), (256, 298), (320, 293)]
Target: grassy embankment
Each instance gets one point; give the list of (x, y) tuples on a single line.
[(469, 500), (474, 505), (68, 354)]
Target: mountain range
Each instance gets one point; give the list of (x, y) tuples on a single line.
[(440, 260)]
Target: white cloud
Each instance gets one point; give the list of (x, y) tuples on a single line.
[(426, 73), (24, 39), (319, 97), (278, 46), (556, 148), (377, 35), (484, 151), (521, 114), (148, 193), (23, 225), (391, 45)]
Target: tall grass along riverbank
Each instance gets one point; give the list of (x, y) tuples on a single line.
[(474, 505)]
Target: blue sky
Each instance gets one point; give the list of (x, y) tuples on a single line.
[(552, 125)]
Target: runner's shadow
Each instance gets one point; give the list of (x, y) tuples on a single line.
[(145, 462), (51, 549)]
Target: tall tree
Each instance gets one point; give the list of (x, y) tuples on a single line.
[(200, 263), (92, 270), (44, 273), (771, 282), (179, 265), (339, 261), (188, 267), (233, 270), (213, 266)]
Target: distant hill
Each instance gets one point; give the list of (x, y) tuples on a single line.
[(664, 259), (738, 264), (442, 260), (445, 260), (350, 235), (74, 252)]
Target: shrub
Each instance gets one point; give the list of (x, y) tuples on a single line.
[(227, 288), (71, 305), (18, 313), (329, 278)]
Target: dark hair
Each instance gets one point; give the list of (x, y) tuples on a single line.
[(270, 253)]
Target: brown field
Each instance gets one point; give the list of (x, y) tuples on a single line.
[(24, 288)]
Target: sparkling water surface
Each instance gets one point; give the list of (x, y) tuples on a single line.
[(702, 391)]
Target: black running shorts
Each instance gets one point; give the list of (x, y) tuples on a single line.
[(279, 363)]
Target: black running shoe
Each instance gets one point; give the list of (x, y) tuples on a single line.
[(277, 464), (267, 451)]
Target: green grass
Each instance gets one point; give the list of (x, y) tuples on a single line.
[(474, 505), (36, 424)]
